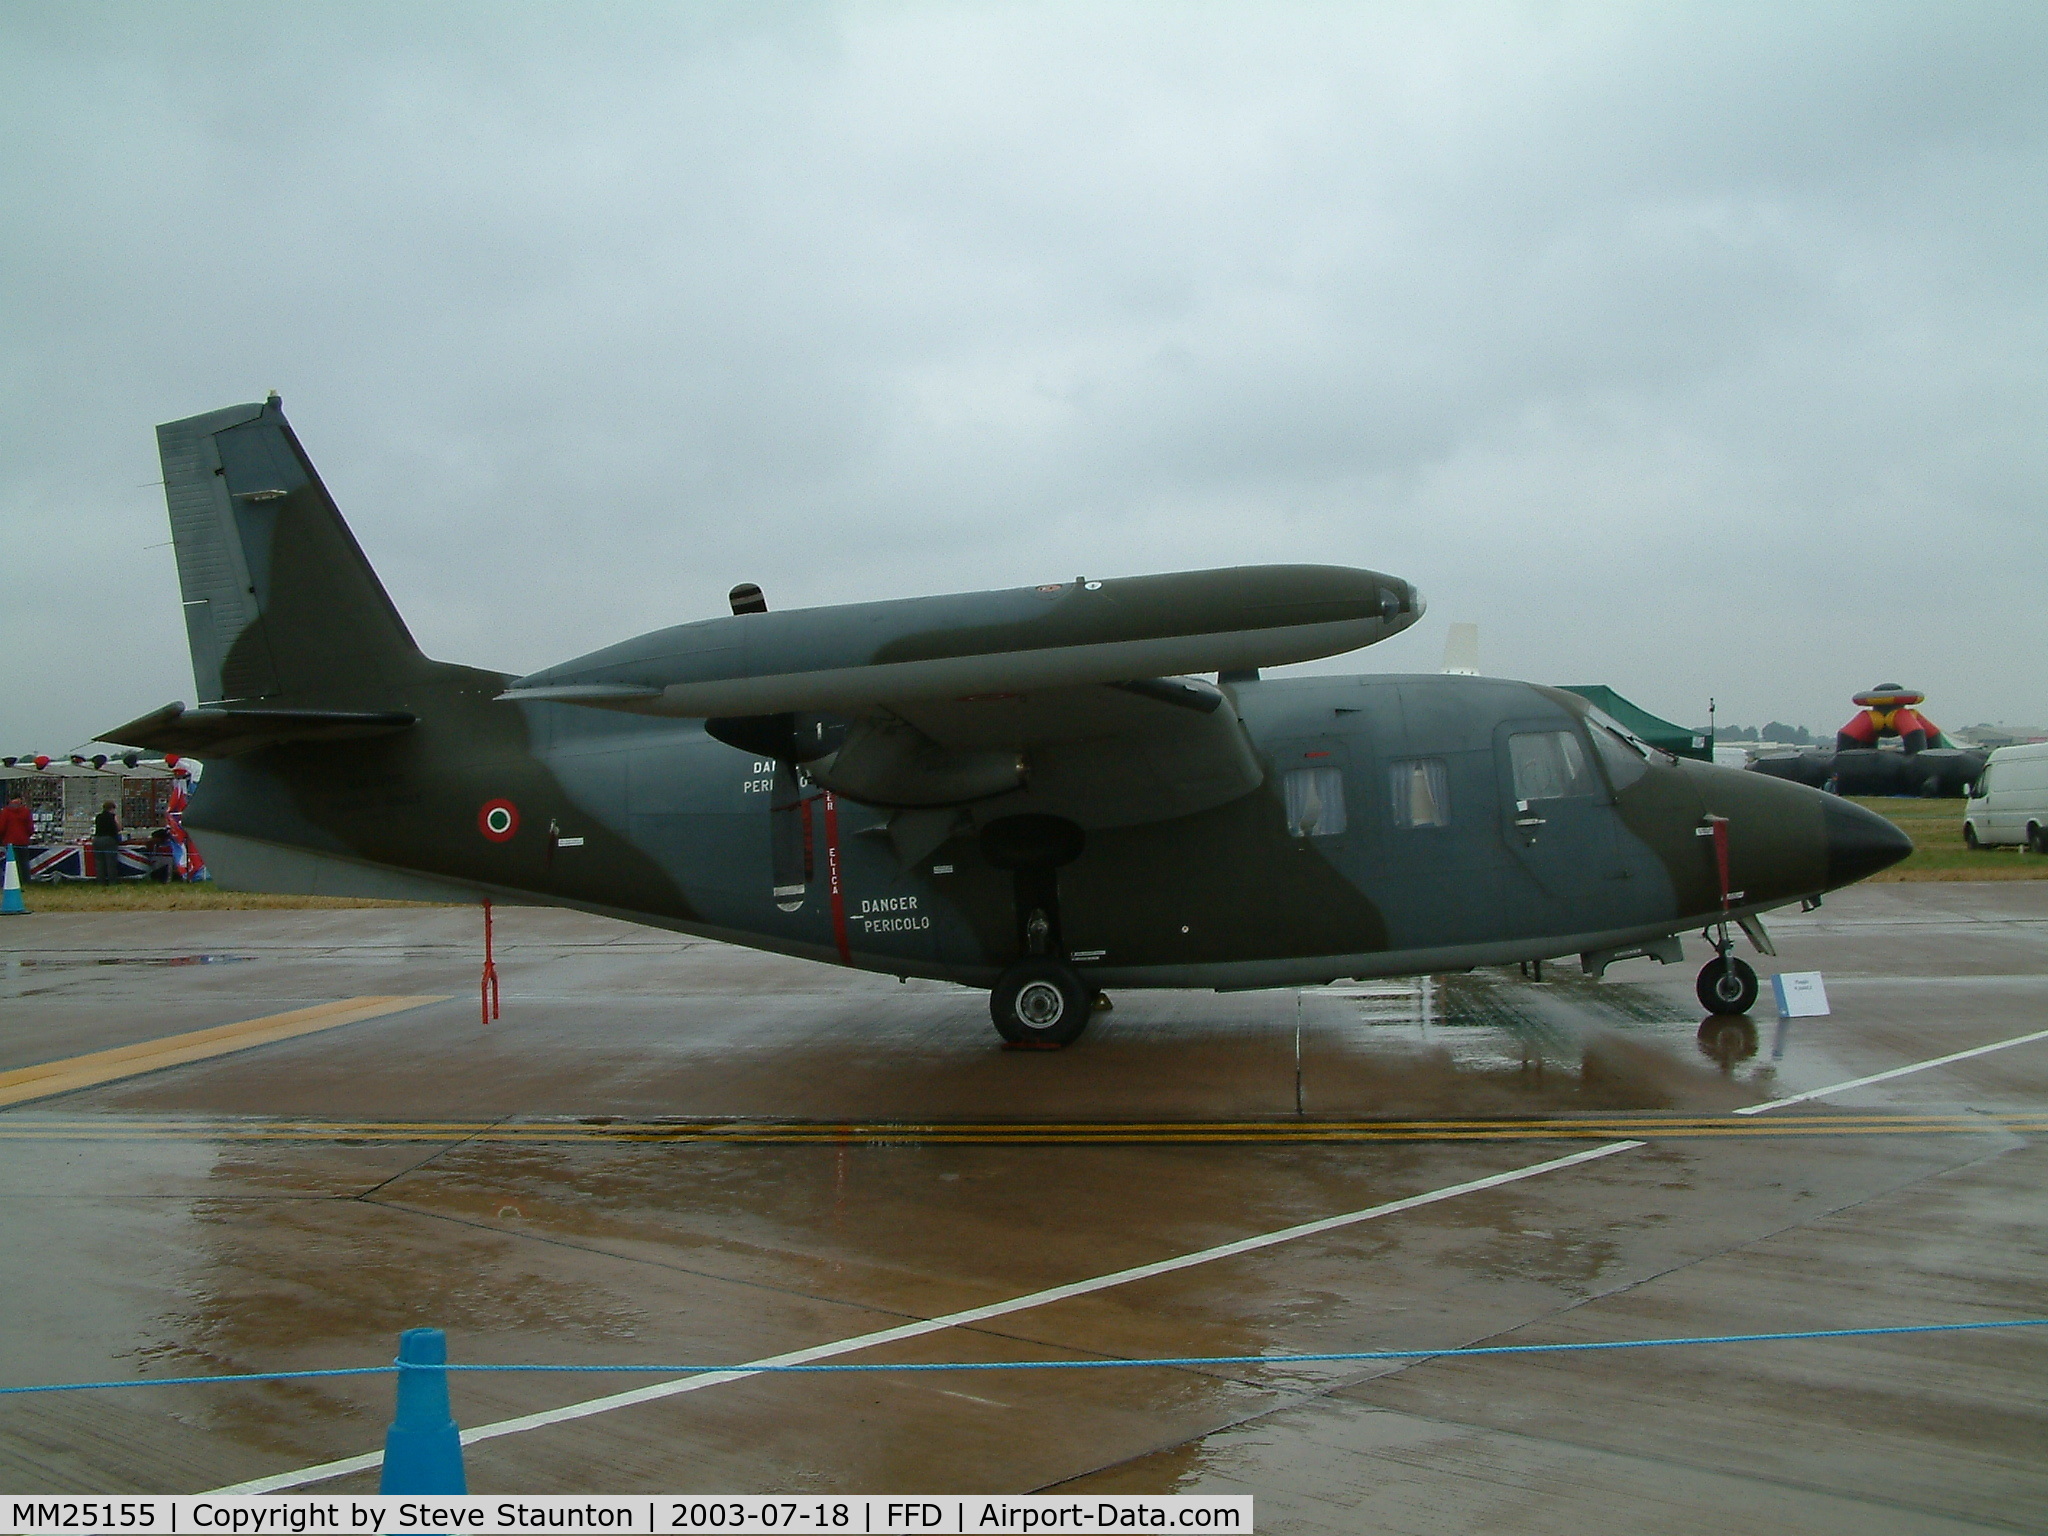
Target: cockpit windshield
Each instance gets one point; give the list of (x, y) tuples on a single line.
[(1625, 755)]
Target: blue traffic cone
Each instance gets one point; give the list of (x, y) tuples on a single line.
[(423, 1448), (10, 886)]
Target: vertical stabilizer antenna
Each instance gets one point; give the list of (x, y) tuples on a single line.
[(1461, 651)]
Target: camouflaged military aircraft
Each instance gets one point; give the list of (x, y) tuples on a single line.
[(1025, 790)]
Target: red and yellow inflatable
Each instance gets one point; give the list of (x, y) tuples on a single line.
[(1888, 711)]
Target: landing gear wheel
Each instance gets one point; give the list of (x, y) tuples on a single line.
[(2037, 839), (1040, 1002), (1969, 837), (1726, 985)]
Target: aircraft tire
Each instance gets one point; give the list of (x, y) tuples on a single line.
[(1969, 837), (1040, 1002), (1727, 986), (2037, 839)]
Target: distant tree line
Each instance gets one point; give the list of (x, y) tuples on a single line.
[(1777, 730)]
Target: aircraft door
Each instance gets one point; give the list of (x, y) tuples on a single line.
[(1559, 824), (1434, 864)]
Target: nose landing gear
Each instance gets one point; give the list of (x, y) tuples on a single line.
[(1726, 985)]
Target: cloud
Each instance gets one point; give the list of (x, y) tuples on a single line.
[(1698, 351)]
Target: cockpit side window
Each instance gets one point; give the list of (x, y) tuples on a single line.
[(1315, 802), (1421, 792), (1549, 765)]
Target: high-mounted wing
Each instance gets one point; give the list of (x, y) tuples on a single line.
[(848, 659), (1059, 699)]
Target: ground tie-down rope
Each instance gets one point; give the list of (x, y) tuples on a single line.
[(1048, 1365)]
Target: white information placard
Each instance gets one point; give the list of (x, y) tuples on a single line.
[(1800, 994)]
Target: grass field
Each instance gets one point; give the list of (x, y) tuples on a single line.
[(148, 896), (1936, 827)]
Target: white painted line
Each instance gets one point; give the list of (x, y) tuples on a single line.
[(648, 1394), (915, 1330), (298, 1479), (1879, 1077)]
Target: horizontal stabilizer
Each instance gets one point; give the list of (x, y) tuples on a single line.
[(215, 731)]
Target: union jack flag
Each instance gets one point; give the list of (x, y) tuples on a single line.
[(186, 863), (80, 861)]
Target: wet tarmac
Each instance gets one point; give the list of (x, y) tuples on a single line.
[(668, 1150)]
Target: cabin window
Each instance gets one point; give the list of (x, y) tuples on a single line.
[(1549, 765), (1421, 792), (1315, 802)]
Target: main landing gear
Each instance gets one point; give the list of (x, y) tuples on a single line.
[(1041, 1002)]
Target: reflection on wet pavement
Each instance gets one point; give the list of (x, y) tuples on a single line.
[(1487, 1020), (1492, 1043), (17, 968)]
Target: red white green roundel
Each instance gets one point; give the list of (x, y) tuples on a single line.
[(498, 820)]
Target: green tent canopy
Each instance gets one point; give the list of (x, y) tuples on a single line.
[(1658, 733)]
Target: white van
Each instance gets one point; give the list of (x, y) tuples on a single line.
[(2011, 803)]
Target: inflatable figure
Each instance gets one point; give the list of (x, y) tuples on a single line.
[(1888, 711), (1929, 765)]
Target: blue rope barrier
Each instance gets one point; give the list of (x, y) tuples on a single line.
[(205, 1381), (396, 1367)]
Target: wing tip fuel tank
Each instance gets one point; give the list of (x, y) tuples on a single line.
[(1057, 635)]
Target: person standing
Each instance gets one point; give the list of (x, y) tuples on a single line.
[(106, 844), (17, 831)]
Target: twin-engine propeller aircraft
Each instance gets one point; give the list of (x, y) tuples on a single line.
[(1023, 790)]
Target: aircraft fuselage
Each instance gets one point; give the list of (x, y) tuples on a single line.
[(1394, 834)]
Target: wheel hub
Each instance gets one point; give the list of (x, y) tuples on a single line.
[(1040, 1005)]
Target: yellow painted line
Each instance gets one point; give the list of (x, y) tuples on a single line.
[(1011, 1135), (838, 1131), (75, 1072)]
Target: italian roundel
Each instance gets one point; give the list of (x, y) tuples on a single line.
[(498, 820)]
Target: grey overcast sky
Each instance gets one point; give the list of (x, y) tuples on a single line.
[(1694, 349)]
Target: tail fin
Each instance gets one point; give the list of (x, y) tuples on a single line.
[(281, 607)]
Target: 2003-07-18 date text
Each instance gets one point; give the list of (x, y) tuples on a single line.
[(767, 1515)]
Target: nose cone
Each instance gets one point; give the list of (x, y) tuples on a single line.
[(1860, 842)]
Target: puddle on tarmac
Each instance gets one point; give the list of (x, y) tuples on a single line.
[(30, 962), (1491, 1020), (1627, 1046), (18, 970)]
